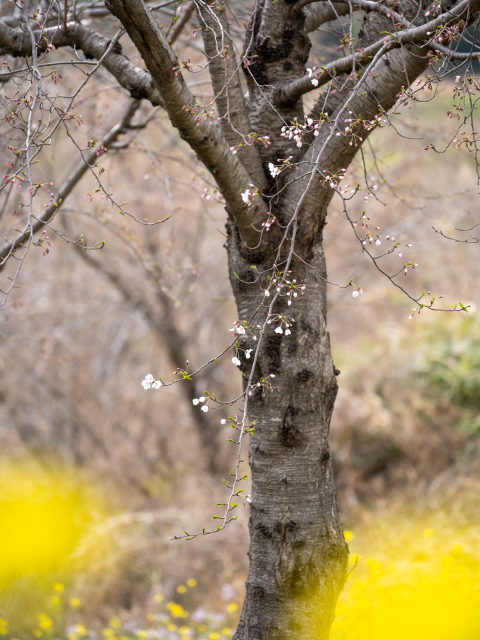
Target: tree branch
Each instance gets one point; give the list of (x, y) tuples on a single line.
[(318, 13), (291, 92), (8, 250), (206, 140), (224, 72), (137, 81)]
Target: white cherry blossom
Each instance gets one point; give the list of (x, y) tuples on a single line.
[(279, 330), (157, 384), (195, 401), (149, 378), (146, 384), (236, 361), (205, 408)]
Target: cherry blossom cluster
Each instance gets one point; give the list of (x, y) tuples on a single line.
[(250, 194), (238, 349), (311, 72), (261, 384), (198, 112), (298, 131), (241, 328), (151, 383), (91, 144), (213, 194), (465, 139), (42, 241), (436, 8), (469, 83), (269, 221), (250, 139), (447, 34), (358, 122), (203, 400), (185, 64), (73, 116), (345, 41), (333, 179), (284, 322), (357, 291), (284, 163), (288, 288)]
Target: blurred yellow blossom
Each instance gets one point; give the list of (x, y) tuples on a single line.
[(158, 597), (232, 607), (176, 610), (55, 601), (115, 623), (44, 622), (428, 533), (348, 535), (108, 633), (214, 636), (37, 633), (226, 631), (80, 629), (181, 588), (57, 586), (3, 627), (151, 616), (191, 582), (75, 603), (142, 634), (202, 628), (171, 627), (184, 630)]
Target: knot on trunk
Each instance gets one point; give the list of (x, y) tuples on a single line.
[(288, 433)]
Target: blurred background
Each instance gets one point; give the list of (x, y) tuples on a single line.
[(97, 475)]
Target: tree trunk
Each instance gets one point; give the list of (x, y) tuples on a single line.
[(298, 555)]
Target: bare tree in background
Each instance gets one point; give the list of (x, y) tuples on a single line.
[(277, 169)]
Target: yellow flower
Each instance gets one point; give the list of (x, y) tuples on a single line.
[(108, 633), (75, 603), (158, 597), (115, 623), (428, 533), (181, 588), (171, 627), (58, 587), (192, 582), (142, 634), (232, 607), (3, 627), (226, 631), (176, 610), (348, 535), (80, 629), (37, 633), (214, 636), (44, 622), (202, 628), (55, 601)]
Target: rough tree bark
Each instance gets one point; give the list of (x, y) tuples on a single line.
[(298, 555)]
